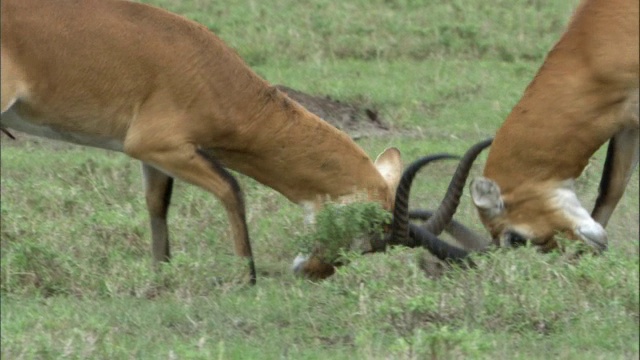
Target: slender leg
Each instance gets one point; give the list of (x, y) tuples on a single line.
[(158, 187), (233, 200), (185, 161), (622, 159)]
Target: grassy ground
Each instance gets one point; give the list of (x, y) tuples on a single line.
[(76, 280)]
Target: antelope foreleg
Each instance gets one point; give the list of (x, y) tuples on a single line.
[(622, 159), (158, 187), (186, 162)]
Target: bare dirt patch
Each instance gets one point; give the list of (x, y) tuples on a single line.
[(354, 119)]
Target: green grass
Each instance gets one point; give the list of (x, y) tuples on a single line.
[(76, 278)]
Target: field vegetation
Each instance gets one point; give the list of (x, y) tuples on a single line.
[(76, 275)]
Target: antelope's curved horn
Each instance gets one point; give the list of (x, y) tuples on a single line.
[(443, 215), (441, 249), (469, 239), (400, 225)]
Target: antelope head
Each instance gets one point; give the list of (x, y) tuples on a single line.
[(535, 213), (389, 167)]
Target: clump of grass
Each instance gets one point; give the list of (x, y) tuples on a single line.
[(340, 228)]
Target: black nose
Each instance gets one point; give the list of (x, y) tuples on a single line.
[(514, 239)]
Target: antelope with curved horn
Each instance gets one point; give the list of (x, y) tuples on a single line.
[(164, 90), (585, 94)]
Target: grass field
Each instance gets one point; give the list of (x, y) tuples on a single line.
[(76, 277)]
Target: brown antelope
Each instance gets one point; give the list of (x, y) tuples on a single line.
[(585, 94), (164, 90)]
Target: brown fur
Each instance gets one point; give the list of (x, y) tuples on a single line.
[(166, 88), (585, 93)]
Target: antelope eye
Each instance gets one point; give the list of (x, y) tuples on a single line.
[(514, 239)]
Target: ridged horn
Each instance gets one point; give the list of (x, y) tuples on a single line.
[(443, 215), (469, 239), (400, 225), (441, 249)]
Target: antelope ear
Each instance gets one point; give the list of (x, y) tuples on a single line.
[(486, 195), (389, 164)]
